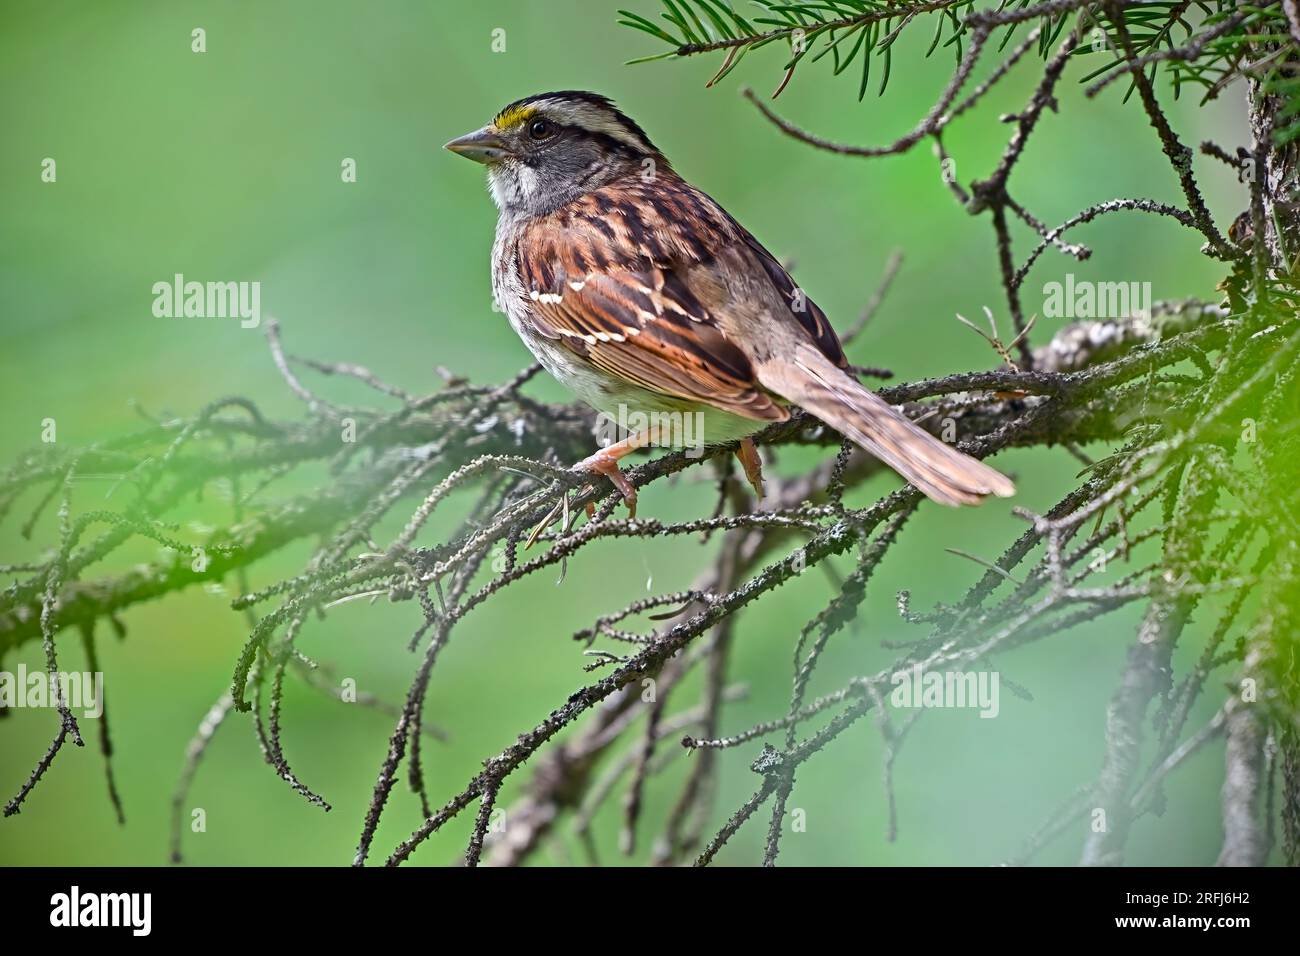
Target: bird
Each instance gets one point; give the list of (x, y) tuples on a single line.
[(650, 302)]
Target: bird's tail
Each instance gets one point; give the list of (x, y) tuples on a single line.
[(944, 474)]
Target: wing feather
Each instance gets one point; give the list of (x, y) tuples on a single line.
[(624, 277)]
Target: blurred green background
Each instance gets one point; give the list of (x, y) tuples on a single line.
[(226, 166)]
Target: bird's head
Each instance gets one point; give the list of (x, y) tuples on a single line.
[(544, 150)]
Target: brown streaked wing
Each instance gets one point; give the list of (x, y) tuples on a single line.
[(614, 277), (670, 223), (612, 322)]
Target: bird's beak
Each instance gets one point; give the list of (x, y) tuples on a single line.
[(482, 146)]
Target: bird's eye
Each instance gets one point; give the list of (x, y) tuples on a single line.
[(541, 129)]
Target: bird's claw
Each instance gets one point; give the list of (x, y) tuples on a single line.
[(753, 465), (603, 463)]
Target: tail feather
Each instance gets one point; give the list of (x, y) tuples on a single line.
[(941, 472)]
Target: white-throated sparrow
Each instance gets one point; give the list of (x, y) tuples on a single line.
[(644, 297)]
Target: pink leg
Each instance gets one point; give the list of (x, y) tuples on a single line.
[(605, 462), (753, 465)]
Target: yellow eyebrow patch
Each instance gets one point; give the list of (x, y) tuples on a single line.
[(513, 116)]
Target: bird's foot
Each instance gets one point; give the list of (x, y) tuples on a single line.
[(753, 465), (604, 462)]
